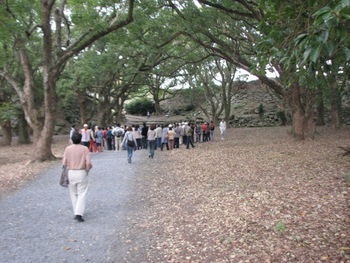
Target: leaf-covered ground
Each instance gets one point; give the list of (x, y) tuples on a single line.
[(16, 169), (258, 196)]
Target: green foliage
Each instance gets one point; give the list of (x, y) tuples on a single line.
[(190, 107), (7, 111), (281, 115), (261, 109), (70, 109), (238, 107), (280, 227), (307, 39), (347, 178), (140, 106)]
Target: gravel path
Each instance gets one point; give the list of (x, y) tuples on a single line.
[(37, 223)]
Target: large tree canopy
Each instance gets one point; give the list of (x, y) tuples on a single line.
[(44, 36), (103, 51)]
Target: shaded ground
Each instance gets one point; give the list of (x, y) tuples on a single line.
[(37, 223), (259, 196)]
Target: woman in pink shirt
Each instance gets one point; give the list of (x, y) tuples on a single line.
[(76, 158)]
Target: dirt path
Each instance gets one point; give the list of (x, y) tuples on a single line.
[(37, 222)]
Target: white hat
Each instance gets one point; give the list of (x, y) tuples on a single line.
[(170, 126), (85, 125)]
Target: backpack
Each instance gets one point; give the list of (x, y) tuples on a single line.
[(109, 135), (118, 132)]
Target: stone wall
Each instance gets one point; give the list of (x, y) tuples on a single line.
[(245, 107), (246, 104)]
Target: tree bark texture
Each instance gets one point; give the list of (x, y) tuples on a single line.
[(320, 113), (40, 113), (6, 133), (301, 104), (335, 100), (23, 129)]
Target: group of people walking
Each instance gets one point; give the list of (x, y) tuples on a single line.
[(169, 136), (77, 159)]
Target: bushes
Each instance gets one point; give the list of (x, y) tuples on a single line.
[(281, 115), (140, 107)]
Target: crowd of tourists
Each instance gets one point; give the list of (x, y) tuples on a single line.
[(76, 156), (148, 137), (152, 137)]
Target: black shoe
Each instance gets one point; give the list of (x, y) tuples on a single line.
[(79, 218)]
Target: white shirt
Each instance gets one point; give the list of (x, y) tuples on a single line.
[(85, 135), (222, 126)]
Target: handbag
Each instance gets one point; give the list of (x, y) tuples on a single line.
[(64, 176), (130, 143)]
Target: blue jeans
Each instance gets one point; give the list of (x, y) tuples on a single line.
[(159, 142), (152, 145), (198, 137), (130, 152)]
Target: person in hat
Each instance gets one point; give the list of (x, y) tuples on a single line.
[(171, 137), (86, 135)]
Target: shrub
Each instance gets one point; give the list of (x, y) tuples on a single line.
[(261, 109), (347, 178), (140, 107), (281, 115)]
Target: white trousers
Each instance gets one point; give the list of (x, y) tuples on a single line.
[(78, 186)]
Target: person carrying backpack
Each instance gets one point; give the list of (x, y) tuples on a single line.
[(118, 133)]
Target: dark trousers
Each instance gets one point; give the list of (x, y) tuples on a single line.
[(138, 142), (176, 142), (184, 139), (87, 144), (167, 146), (189, 141), (144, 142), (109, 144), (205, 137)]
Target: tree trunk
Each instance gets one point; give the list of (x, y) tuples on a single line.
[(227, 115), (82, 107), (320, 114), (335, 100), (103, 110), (40, 111), (6, 133), (42, 136), (157, 107), (118, 115), (301, 104), (23, 129)]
